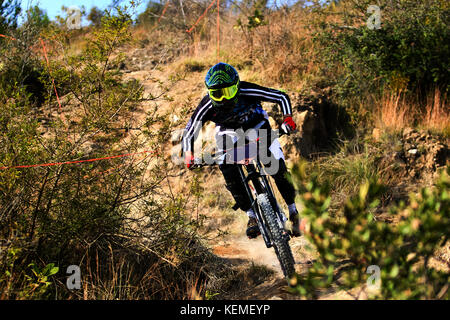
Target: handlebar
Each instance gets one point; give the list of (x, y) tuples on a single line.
[(198, 163)]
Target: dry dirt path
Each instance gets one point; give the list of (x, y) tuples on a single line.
[(243, 253)]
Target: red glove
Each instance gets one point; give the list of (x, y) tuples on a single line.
[(289, 124), (189, 159)]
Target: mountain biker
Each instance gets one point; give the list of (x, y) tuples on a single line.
[(233, 104)]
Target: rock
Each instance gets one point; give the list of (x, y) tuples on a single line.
[(432, 154), (307, 124)]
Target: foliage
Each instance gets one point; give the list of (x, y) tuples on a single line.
[(151, 13), (9, 12), (38, 282), (253, 12), (123, 220), (353, 241), (95, 16), (345, 170), (38, 17), (117, 215), (410, 49)]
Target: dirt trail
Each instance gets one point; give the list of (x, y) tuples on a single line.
[(244, 253)]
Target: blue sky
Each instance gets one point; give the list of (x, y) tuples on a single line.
[(53, 7)]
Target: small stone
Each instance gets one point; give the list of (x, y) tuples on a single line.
[(412, 151)]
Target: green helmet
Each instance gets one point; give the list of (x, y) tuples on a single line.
[(222, 81)]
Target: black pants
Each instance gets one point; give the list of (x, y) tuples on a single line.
[(234, 182)]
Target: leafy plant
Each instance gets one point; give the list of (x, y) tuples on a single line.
[(38, 282), (410, 49), (9, 12), (253, 12), (354, 240), (115, 217)]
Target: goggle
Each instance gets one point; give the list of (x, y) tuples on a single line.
[(223, 93)]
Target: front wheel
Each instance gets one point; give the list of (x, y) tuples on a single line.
[(278, 236)]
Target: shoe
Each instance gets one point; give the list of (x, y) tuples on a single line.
[(252, 228), (296, 223)]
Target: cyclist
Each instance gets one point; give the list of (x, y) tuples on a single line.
[(233, 104)]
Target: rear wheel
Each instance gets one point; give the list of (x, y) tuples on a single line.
[(278, 236)]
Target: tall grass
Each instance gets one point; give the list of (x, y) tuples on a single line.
[(345, 172), (437, 115), (398, 110)]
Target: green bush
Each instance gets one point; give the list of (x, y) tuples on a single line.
[(38, 17), (9, 11), (151, 13), (353, 240), (114, 218), (411, 49)]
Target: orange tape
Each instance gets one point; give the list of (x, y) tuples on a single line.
[(201, 17), (74, 161), (164, 10), (48, 66), (8, 37), (218, 30)]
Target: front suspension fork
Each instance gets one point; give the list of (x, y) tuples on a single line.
[(259, 218)]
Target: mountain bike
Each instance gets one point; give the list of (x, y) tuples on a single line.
[(269, 215)]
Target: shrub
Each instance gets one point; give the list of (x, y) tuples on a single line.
[(95, 16), (114, 218), (353, 241), (9, 11), (409, 51)]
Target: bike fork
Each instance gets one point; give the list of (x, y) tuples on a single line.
[(255, 207)]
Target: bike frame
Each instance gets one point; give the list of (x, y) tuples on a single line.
[(261, 185)]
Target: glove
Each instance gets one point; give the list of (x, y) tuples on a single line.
[(189, 159), (288, 124)]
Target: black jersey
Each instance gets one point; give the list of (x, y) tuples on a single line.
[(247, 113)]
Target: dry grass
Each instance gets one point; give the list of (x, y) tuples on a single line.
[(279, 54), (438, 113), (394, 112), (397, 110)]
